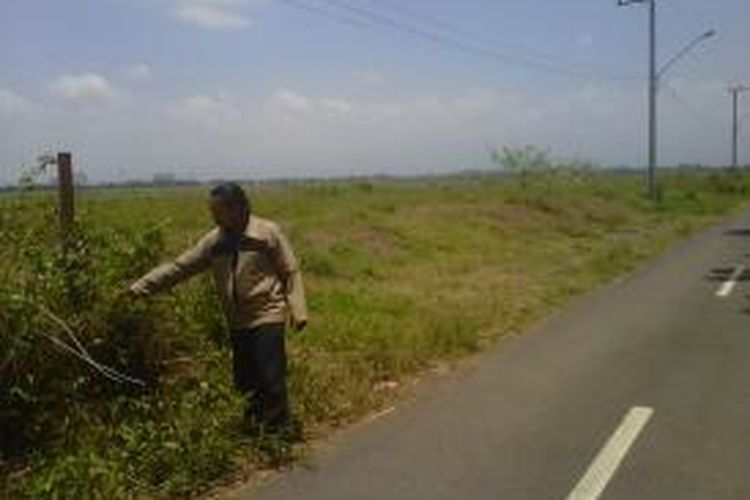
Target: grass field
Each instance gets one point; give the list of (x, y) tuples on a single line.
[(401, 278)]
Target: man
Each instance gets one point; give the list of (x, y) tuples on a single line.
[(259, 281)]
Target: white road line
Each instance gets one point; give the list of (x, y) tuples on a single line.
[(591, 486), (726, 288)]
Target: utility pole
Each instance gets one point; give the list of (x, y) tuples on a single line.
[(736, 91), (653, 87)]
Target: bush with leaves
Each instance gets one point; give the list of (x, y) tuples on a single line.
[(534, 167), (72, 342), (57, 301)]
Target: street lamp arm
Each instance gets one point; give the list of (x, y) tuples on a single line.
[(653, 85), (625, 3), (684, 51)]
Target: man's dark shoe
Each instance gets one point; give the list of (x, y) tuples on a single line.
[(292, 431), (289, 431)]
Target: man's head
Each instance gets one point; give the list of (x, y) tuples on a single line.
[(229, 207)]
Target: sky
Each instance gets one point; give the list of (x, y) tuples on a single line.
[(257, 89)]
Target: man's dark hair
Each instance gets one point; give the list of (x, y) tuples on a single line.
[(232, 194)]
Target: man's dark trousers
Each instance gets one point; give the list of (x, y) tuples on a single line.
[(259, 362)]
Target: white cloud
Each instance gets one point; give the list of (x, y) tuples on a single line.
[(140, 72), (206, 112), (202, 104), (385, 109), (85, 87), (291, 101), (12, 103), (338, 105), (208, 15), (291, 131)]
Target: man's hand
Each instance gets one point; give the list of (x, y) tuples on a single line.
[(299, 324), (137, 291)]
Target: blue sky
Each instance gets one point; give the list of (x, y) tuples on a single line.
[(268, 88)]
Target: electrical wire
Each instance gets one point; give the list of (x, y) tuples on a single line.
[(374, 19), (439, 23), (332, 16), (688, 107), (459, 43)]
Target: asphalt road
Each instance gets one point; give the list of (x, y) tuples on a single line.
[(639, 391)]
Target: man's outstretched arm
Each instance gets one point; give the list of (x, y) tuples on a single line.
[(195, 260)]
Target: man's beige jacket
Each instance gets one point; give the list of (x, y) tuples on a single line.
[(256, 273)]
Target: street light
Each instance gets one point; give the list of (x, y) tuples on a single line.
[(653, 85), (708, 34)]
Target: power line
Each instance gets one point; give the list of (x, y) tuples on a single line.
[(332, 16), (439, 23), (419, 16), (438, 37), (460, 44), (687, 106)]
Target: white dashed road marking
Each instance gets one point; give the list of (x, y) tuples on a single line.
[(591, 486), (728, 286)]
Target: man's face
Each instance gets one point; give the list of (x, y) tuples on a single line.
[(229, 218)]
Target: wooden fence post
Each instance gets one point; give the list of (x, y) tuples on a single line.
[(65, 189)]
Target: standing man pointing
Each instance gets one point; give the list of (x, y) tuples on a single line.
[(260, 285)]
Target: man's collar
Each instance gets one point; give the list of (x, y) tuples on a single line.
[(252, 230)]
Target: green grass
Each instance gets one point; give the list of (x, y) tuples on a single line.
[(401, 277)]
